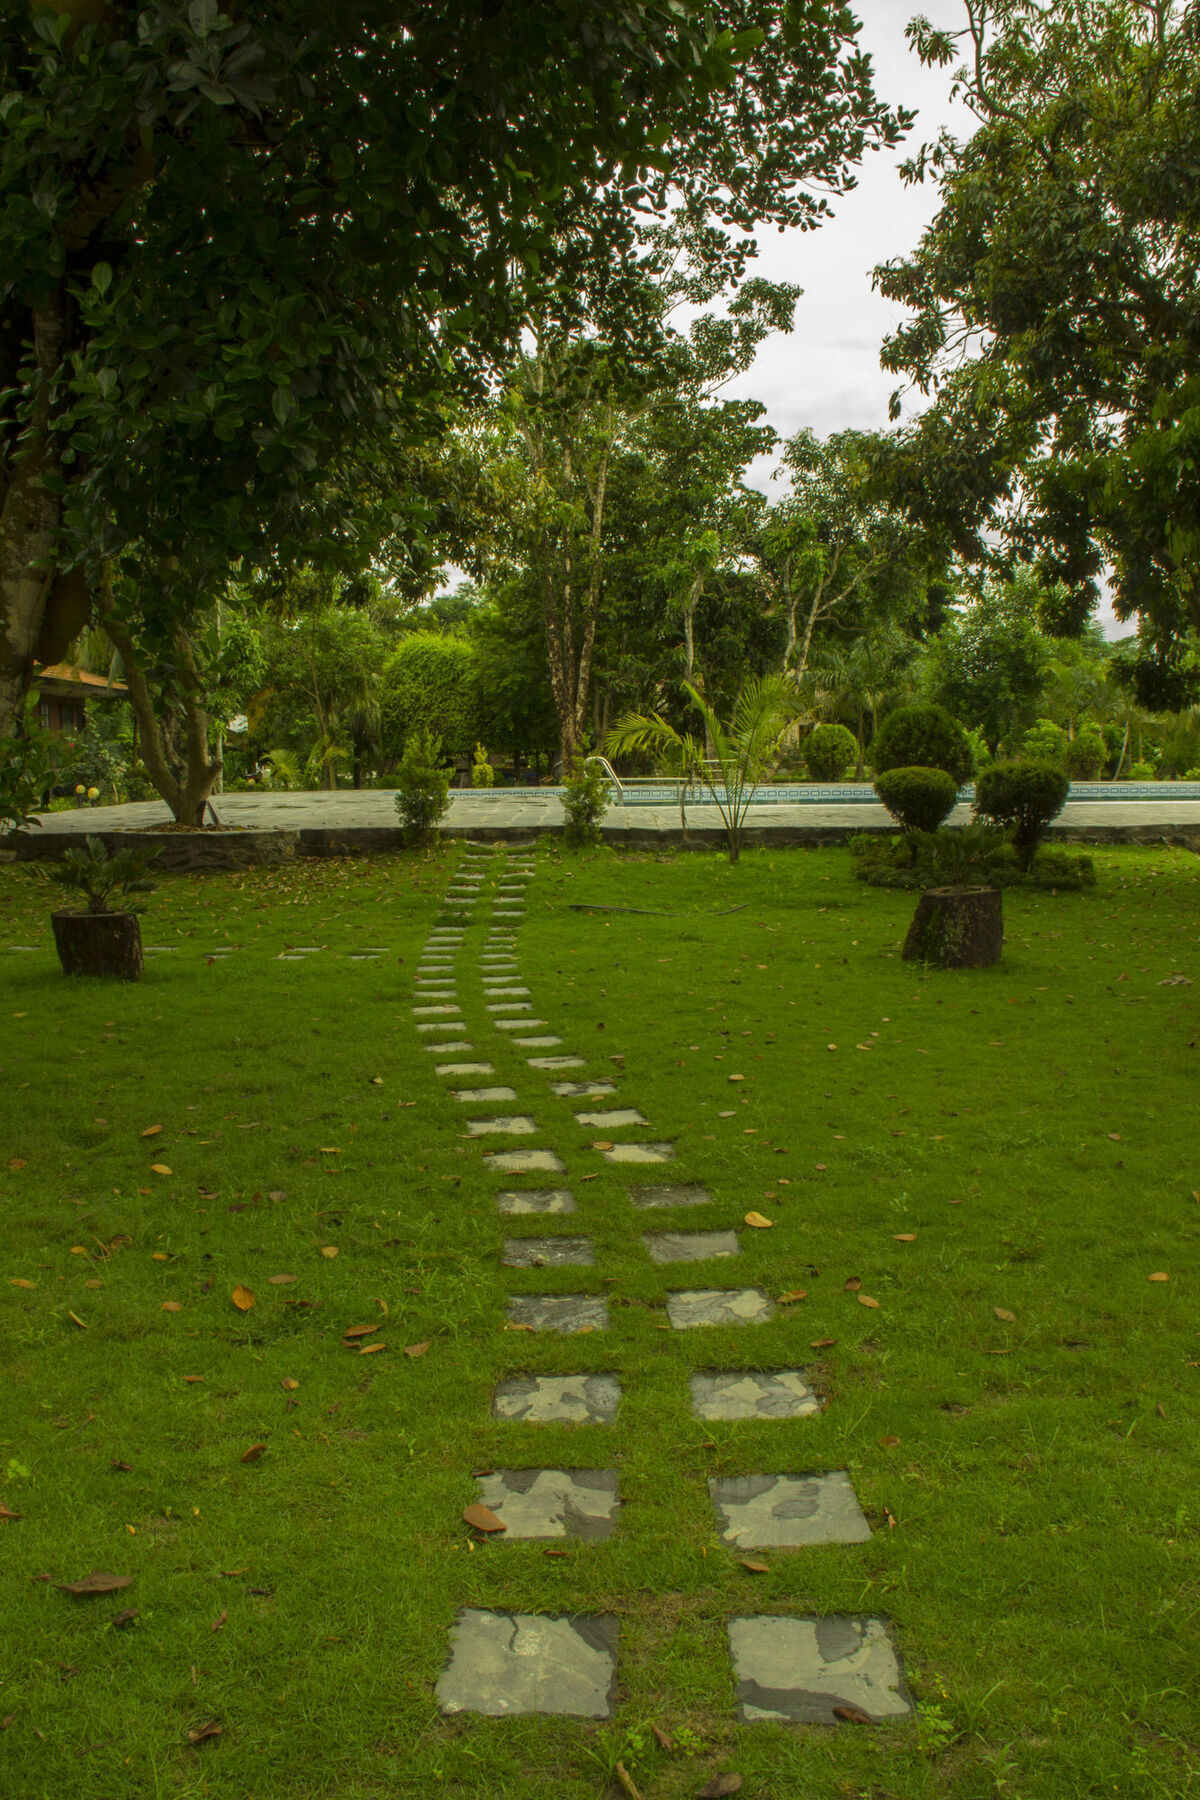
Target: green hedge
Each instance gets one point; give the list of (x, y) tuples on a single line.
[(918, 799), (430, 683)]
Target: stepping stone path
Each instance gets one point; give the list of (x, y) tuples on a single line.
[(784, 1667)]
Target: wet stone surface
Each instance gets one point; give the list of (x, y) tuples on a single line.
[(517, 1162), (691, 1246), (538, 1043), (537, 1200), (518, 1024), (483, 1096), (548, 1253), (514, 1125), (455, 1048), (556, 1062), (718, 1306), (565, 1314), (558, 1399), (778, 1512), (611, 1120), (797, 1670), (752, 1394), (580, 1090), (520, 1663), (639, 1153), (553, 1503), (650, 1199), (471, 1068)]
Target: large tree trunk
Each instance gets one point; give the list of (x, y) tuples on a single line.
[(957, 928), (187, 790), (28, 528)]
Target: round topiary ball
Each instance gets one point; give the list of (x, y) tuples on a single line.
[(829, 751), (1023, 795), (923, 737), (918, 799)]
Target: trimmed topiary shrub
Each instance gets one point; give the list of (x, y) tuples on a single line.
[(829, 751), (482, 773), (918, 799), (1087, 753), (1024, 796), (923, 737), (1045, 742), (422, 789), (430, 684)]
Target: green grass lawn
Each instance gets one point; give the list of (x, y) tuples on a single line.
[(1030, 1479)]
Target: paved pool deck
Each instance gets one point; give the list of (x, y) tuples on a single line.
[(347, 822)]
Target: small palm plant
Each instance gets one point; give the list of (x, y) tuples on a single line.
[(95, 874), (740, 753)]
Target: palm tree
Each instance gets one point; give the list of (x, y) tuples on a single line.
[(741, 751)]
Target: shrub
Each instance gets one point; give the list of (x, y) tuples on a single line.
[(429, 683), (1024, 796), (584, 801), (829, 751), (1143, 771), (1087, 753), (922, 737), (89, 870), (422, 789), (1057, 868), (1045, 742), (482, 773), (918, 799)]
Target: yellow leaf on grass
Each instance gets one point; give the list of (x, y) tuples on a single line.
[(792, 1295), (370, 1349), (20, 1281), (482, 1518), (253, 1453), (171, 1306), (161, 1169), (417, 1349), (759, 1223), (289, 1384), (242, 1298), (1003, 1314), (329, 1250), (866, 1300), (152, 1131), (16, 1162), (905, 1237), (1159, 1275), (280, 1280), (79, 1250)]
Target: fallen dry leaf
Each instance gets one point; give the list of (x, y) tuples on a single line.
[(866, 1300), (79, 1250), (280, 1280), (822, 1343), (160, 1169), (152, 1131), (482, 1518), (7, 1513), (737, 1078), (853, 1715), (218, 1622), (98, 1582), (627, 1782), (889, 1442), (602, 1144), (417, 1349), (193, 1378), (277, 1194), (171, 1306), (792, 1295), (289, 1384), (93, 1284), (358, 1331), (665, 1740), (719, 1787), (329, 1250), (75, 1318), (17, 1162), (20, 1281), (211, 1729), (755, 1568), (759, 1223), (904, 1237), (159, 1256), (242, 1298), (1003, 1314), (253, 1453), (852, 1284), (125, 1618), (1159, 1275), (370, 1349)]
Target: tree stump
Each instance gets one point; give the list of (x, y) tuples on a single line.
[(99, 944), (957, 928)]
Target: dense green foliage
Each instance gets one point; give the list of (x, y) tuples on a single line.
[(1023, 795), (586, 794), (422, 789), (923, 737), (92, 871), (918, 799), (429, 684), (829, 750)]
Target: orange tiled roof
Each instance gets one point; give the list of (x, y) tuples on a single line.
[(80, 678)]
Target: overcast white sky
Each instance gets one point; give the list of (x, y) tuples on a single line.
[(826, 372)]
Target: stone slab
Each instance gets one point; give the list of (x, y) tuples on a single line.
[(514, 1125), (496, 1007), (656, 1199), (537, 1043), (455, 1046), (552, 1503), (536, 1200), (557, 1062), (486, 1096), (690, 1246), (581, 1090), (796, 1670), (519, 1162), (499, 990), (442, 1024), (558, 1399), (472, 1068), (429, 1012), (752, 1394), (689, 1308), (781, 1512), (564, 1314), (518, 1024), (548, 1253), (639, 1153), (612, 1120), (505, 1664)]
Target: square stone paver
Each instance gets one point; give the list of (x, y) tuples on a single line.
[(537, 1043), (553, 1503), (428, 1012), (442, 1025), (611, 1120), (548, 1253), (521, 1162), (653, 1199), (691, 1246), (752, 1394), (558, 1399), (497, 1007), (780, 1512), (509, 1126), (455, 1047), (797, 1670), (556, 1062), (565, 1314), (719, 1306), (500, 990), (519, 1663), (519, 1024), (476, 1068), (582, 1090), (536, 1200), (639, 1153), (483, 1096)]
